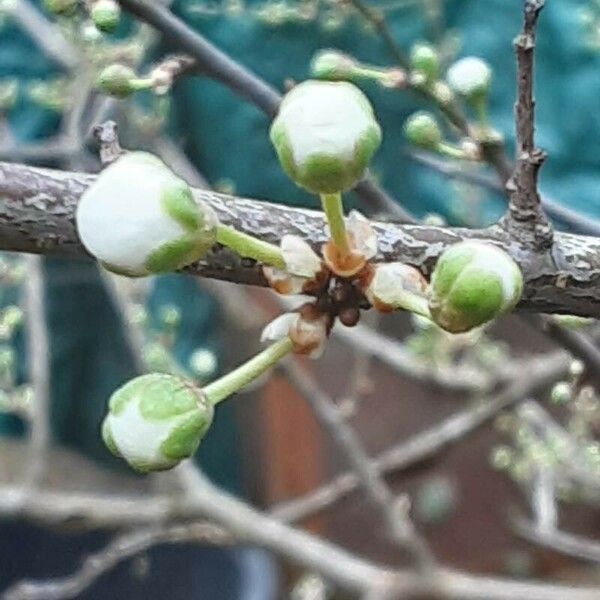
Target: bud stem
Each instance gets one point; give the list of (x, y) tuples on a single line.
[(415, 304), (250, 247), (334, 211), (238, 378), (449, 150)]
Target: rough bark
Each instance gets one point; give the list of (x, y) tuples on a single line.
[(37, 215)]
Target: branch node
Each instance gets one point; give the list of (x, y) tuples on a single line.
[(106, 134)]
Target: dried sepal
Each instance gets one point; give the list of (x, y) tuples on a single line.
[(362, 240), (308, 329)]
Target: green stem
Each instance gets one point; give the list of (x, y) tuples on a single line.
[(479, 103), (449, 150), (415, 304), (334, 211), (250, 247), (238, 378)]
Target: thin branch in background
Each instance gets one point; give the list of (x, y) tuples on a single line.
[(427, 444), (559, 541), (579, 344), (395, 518), (38, 364), (121, 548), (571, 219), (46, 34)]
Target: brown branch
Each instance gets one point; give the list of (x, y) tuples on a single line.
[(525, 219), (37, 215)]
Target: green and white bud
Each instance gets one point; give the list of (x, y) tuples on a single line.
[(155, 421), (470, 77), (472, 283), (139, 218), (332, 65), (106, 15), (422, 130), (60, 7), (325, 135), (121, 81), (424, 59)]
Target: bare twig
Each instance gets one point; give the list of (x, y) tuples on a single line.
[(119, 549), (396, 520), (526, 219), (428, 443), (38, 357), (559, 541), (574, 221)]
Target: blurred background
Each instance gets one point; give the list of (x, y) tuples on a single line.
[(390, 378)]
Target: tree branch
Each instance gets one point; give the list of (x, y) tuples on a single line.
[(526, 219), (37, 215)]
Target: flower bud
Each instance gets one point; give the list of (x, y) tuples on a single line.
[(332, 65), (472, 283), (106, 15), (325, 135), (307, 329), (422, 130), (117, 80), (470, 77), (425, 59), (59, 7), (395, 285), (155, 421), (139, 218)]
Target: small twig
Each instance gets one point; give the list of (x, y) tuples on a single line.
[(525, 219), (579, 344), (119, 549), (344, 436), (574, 221), (38, 357), (107, 136), (428, 443), (44, 33)]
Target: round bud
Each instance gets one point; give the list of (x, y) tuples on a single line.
[(325, 135), (332, 65), (561, 392), (117, 80), (472, 283), (106, 15), (470, 77), (139, 218), (424, 58), (155, 421), (422, 130), (60, 7)]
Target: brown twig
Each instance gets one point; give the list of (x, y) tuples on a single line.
[(526, 219)]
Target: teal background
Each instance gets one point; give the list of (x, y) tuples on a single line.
[(228, 141)]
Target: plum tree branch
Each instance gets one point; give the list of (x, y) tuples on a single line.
[(37, 209), (526, 219)]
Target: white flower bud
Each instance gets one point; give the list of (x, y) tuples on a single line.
[(325, 135), (470, 76), (139, 218), (155, 421)]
